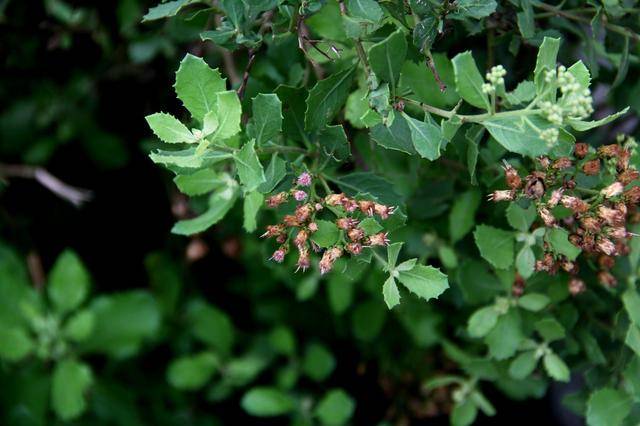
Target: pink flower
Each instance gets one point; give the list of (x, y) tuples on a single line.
[(304, 179), (299, 195), (278, 255)]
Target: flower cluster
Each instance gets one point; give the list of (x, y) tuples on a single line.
[(575, 101), (495, 78), (595, 218), (298, 228)]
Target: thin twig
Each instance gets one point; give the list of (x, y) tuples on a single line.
[(74, 195), (34, 264), (266, 23), (432, 66)]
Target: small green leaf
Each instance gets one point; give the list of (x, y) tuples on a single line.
[(80, 325), (525, 262), (15, 343), (463, 413), (546, 60), (550, 329), (504, 339), (327, 234), (200, 182), (266, 121), (583, 126), (210, 325), (426, 282), (192, 372), (533, 301), (393, 251), (335, 408), (516, 135), (252, 203), (496, 245), (469, 80), (632, 339), (558, 239), (367, 10), (390, 293), (523, 365), (386, 58), (607, 407), (482, 321), (476, 9), (370, 226), (318, 363), (326, 99), (70, 382), (197, 85), (228, 113), (165, 10), (519, 218), (249, 167), (276, 171), (68, 282), (461, 217), (426, 137), (220, 202), (266, 402), (581, 73), (631, 301), (169, 129), (556, 368)]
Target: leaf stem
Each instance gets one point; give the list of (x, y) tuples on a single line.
[(477, 118)]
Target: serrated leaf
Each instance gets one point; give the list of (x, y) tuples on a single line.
[(327, 234), (68, 282), (249, 167), (169, 129), (607, 407), (396, 137), (266, 122), (386, 58), (581, 73), (276, 171), (220, 203), (558, 239), (252, 203), (523, 365), (583, 126), (165, 10), (69, 384), (426, 137), (496, 245), (469, 80), (326, 99), (519, 218), (426, 282), (390, 293), (555, 367), (197, 85), (546, 60)]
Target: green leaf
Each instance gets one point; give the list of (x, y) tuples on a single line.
[(482, 321), (15, 343), (469, 81), (390, 293), (477, 9), (533, 301), (526, 262), (70, 382), (200, 182), (122, 322), (266, 402), (462, 215), (367, 10), (386, 58), (193, 371), (607, 407), (397, 136), (546, 60), (393, 251), (495, 245), (425, 32), (370, 185), (631, 301), (326, 99), (318, 363), (558, 239), (504, 339), (550, 329), (266, 121), (276, 171), (370, 226), (421, 81), (463, 413), (335, 408), (581, 73), (252, 203), (334, 143), (80, 325), (426, 137), (210, 325), (197, 86), (519, 218), (249, 168), (165, 10), (327, 234), (68, 282), (632, 339), (426, 282), (525, 91), (583, 126), (516, 135), (188, 159), (228, 112), (169, 129), (523, 365), (556, 368), (220, 202)]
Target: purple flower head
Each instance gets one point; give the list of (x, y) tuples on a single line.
[(304, 179), (278, 255), (299, 195)]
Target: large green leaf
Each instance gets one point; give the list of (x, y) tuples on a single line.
[(516, 135), (197, 85), (71, 380), (200, 182), (496, 245), (469, 80), (504, 339), (387, 57), (266, 121), (68, 282), (326, 99), (607, 407), (426, 137), (397, 136), (228, 112), (426, 282)]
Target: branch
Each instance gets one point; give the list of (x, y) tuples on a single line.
[(432, 66), (74, 195)]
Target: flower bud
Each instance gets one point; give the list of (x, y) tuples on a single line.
[(605, 246), (301, 238), (534, 185), (623, 159), (275, 200), (304, 179), (547, 217), (379, 239), (609, 151), (355, 234), (312, 227), (304, 260), (569, 267), (349, 205), (590, 223), (612, 190), (383, 211), (618, 232), (299, 195), (574, 203), (511, 176), (628, 176), (329, 258), (611, 216), (273, 231), (346, 223), (555, 198), (562, 163), (581, 150), (632, 196), (576, 286), (366, 207), (606, 279), (503, 195), (334, 199), (591, 167), (303, 212), (278, 255), (606, 262), (354, 248), (291, 221)]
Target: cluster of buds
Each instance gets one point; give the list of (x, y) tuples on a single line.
[(595, 218), (495, 78), (297, 228), (575, 100)]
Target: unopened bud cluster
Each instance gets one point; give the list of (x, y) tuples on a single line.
[(297, 229), (495, 78), (595, 218)]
